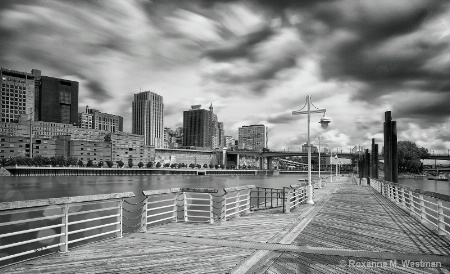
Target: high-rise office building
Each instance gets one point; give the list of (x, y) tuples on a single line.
[(56, 100), (253, 137), (221, 135), (148, 117), (95, 119), (201, 128), (17, 94)]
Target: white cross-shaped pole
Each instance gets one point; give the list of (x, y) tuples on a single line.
[(309, 111)]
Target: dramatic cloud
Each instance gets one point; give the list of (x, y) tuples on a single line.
[(256, 61)]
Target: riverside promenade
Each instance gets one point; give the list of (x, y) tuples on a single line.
[(349, 229)]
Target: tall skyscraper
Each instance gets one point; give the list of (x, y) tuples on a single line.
[(56, 100), (95, 119), (201, 128), (17, 94), (253, 137), (148, 118)]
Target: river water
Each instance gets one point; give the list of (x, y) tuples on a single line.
[(30, 188)]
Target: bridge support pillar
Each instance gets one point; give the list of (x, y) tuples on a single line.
[(224, 156), (237, 160), (269, 163), (261, 162)]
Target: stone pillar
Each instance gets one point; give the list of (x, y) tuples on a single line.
[(367, 167), (224, 156), (375, 157), (387, 146), (394, 153), (237, 160), (269, 163)]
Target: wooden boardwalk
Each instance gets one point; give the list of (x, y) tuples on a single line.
[(345, 216)]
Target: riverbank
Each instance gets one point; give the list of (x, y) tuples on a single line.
[(91, 171)]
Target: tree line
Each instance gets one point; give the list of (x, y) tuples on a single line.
[(61, 161)]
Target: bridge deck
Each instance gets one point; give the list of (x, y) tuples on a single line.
[(354, 218)]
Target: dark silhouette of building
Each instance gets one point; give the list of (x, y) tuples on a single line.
[(201, 128), (56, 100)]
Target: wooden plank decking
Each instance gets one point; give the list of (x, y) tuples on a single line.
[(354, 217)]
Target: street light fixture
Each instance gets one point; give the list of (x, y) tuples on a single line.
[(336, 157), (324, 123)]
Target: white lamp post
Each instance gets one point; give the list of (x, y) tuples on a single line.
[(336, 157), (324, 121)]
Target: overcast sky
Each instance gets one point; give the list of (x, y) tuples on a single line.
[(256, 61)]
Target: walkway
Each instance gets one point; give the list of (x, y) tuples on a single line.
[(311, 239)]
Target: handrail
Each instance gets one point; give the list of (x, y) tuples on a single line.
[(420, 191), (63, 200), (430, 213), (101, 214), (180, 206)]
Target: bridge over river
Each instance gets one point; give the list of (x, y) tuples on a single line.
[(351, 228), (269, 155)]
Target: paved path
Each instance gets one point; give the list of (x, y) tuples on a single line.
[(358, 218)]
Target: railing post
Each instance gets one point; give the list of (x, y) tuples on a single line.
[(238, 203), (440, 224), (411, 202), (257, 198), (265, 198), (65, 229), (247, 210), (119, 218), (185, 209), (423, 216), (176, 204), (297, 197), (144, 215), (403, 197), (287, 205), (211, 209)]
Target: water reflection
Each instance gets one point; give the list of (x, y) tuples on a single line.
[(29, 188)]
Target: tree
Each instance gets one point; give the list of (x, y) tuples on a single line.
[(205, 166), (72, 161), (158, 164), (90, 163), (130, 162), (58, 161), (39, 160), (80, 163), (120, 163), (149, 164), (100, 164), (409, 156), (192, 165), (140, 164), (109, 164), (211, 166)]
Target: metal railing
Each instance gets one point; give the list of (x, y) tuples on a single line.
[(295, 195), (37, 227), (266, 197), (194, 205), (432, 209)]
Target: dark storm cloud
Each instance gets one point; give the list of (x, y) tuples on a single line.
[(97, 91), (281, 118), (430, 110), (242, 47)]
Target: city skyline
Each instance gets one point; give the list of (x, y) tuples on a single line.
[(254, 60)]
